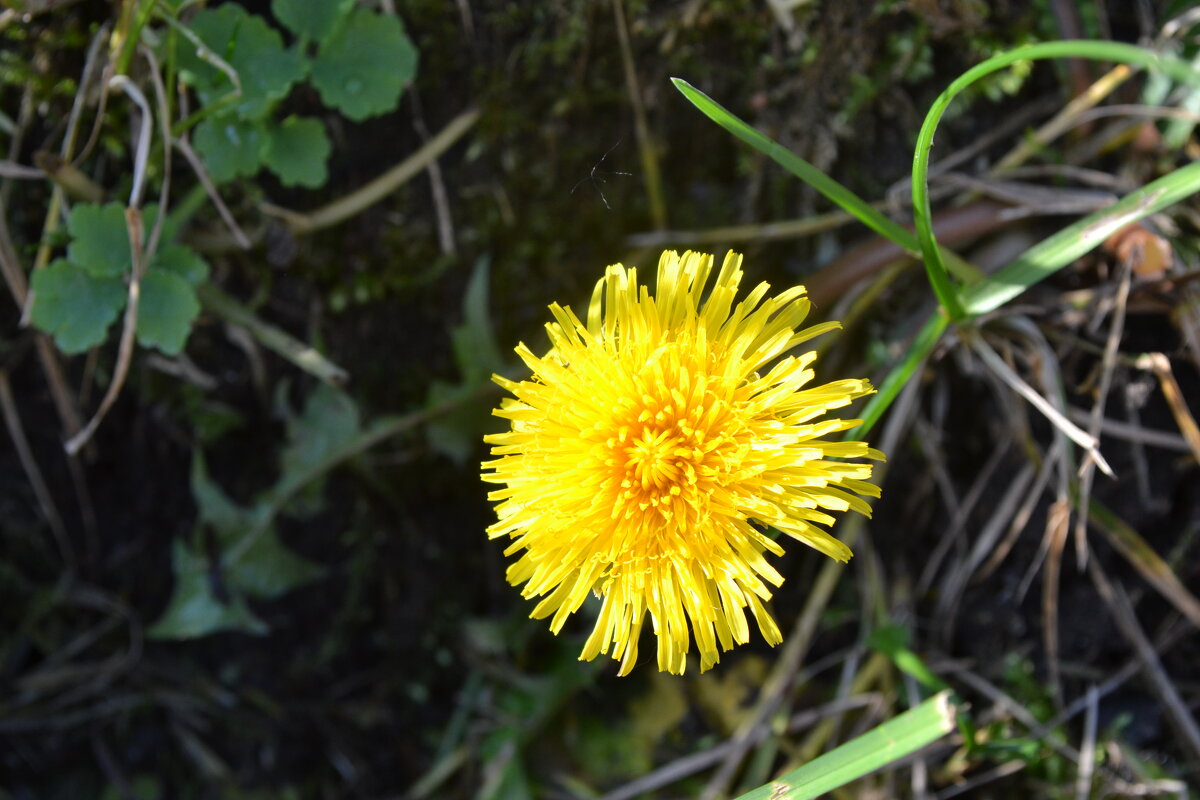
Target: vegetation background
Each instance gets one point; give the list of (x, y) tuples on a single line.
[(265, 574)]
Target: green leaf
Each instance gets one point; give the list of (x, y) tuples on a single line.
[(474, 342), (216, 28), (893, 642), (312, 20), (194, 610), (74, 306), (362, 67), (229, 146), (255, 51), (99, 239), (253, 559), (329, 423), (456, 434), (296, 151), (166, 311), (268, 569), (213, 506), (266, 70), (183, 261)]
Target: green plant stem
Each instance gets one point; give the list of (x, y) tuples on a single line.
[(286, 345), (129, 31), (381, 430), (926, 339), (346, 207)]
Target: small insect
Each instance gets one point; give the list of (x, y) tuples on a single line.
[(596, 176)]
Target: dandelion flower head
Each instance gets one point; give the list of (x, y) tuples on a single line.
[(654, 448)]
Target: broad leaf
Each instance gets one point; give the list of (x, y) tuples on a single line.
[(362, 68), (99, 239), (216, 28), (268, 569), (166, 311), (296, 151), (312, 20), (194, 610), (266, 70), (183, 261), (74, 306), (255, 51), (230, 147)]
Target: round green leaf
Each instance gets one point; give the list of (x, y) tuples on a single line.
[(296, 151), (182, 261), (75, 306), (99, 239), (362, 68), (265, 69), (312, 20), (167, 308), (229, 147)]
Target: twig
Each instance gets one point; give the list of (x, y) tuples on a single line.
[(164, 127), (441, 203), (1108, 365), (142, 152), (698, 762), (1065, 119), (1160, 682), (1087, 747), (1055, 540), (1133, 433), (1160, 365), (12, 420), (95, 49), (654, 191), (183, 146), (1014, 381)]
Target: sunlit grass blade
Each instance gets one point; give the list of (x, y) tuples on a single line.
[(803, 170), (939, 279), (876, 748), (1056, 251), (900, 375)]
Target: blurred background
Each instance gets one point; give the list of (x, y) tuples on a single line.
[(263, 571)]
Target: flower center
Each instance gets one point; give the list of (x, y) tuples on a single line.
[(657, 461)]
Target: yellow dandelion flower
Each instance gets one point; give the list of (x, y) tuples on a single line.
[(653, 448)]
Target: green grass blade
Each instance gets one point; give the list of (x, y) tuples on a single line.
[(846, 199), (900, 375), (939, 279), (1056, 251), (876, 748)]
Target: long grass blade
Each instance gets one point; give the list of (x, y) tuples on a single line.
[(935, 268), (1056, 251), (901, 374), (803, 170), (876, 748)]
